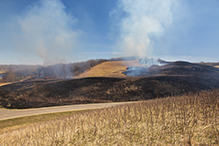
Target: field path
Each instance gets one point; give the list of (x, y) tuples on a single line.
[(7, 83), (15, 113)]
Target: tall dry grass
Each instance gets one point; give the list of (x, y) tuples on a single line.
[(186, 120)]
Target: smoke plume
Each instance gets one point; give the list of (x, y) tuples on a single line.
[(47, 30), (140, 22)]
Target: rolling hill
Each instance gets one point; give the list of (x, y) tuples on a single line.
[(175, 78), (109, 69)]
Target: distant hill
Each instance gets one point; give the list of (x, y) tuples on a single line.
[(11, 73), (177, 68), (109, 69)]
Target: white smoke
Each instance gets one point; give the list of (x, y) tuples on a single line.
[(140, 22), (47, 30)]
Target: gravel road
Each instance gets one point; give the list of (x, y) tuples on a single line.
[(14, 113)]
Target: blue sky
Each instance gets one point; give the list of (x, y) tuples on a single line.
[(62, 31)]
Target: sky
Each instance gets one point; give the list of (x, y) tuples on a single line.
[(63, 31)]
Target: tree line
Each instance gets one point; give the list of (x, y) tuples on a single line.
[(11, 73)]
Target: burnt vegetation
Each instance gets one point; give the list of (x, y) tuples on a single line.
[(174, 68), (175, 78)]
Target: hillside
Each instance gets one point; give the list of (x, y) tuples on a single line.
[(109, 69), (11, 73), (178, 68), (175, 78)]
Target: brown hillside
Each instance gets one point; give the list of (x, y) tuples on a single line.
[(176, 78), (109, 69)]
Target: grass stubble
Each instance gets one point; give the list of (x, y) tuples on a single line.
[(20, 122), (184, 120)]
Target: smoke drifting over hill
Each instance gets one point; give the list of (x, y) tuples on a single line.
[(141, 22), (47, 30)]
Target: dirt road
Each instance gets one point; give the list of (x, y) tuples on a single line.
[(7, 83), (9, 114)]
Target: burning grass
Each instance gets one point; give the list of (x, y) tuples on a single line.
[(185, 120)]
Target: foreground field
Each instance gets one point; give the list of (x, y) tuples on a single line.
[(185, 120), (10, 125)]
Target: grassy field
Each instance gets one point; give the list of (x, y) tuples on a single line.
[(185, 120), (17, 123), (110, 69)]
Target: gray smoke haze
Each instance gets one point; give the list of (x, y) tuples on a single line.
[(47, 30), (140, 22)]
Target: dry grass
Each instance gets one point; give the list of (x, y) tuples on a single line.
[(110, 69), (16, 123), (217, 66), (185, 120), (2, 84), (7, 83)]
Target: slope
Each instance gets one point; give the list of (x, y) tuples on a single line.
[(109, 69)]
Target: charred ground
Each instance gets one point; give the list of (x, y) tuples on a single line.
[(174, 78)]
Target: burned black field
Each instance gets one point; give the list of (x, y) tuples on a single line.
[(175, 78)]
